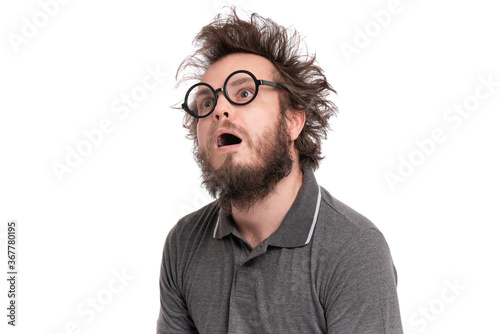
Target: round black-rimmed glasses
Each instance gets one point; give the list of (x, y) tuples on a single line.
[(240, 88)]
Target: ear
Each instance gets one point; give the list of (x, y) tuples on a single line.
[(296, 120)]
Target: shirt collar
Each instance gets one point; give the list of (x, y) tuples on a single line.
[(297, 228)]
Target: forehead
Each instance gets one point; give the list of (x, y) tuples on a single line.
[(217, 73)]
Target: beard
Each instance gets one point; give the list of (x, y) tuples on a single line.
[(241, 186)]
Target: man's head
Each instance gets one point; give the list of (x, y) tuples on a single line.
[(305, 86), (257, 124)]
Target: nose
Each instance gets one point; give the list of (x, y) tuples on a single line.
[(223, 108)]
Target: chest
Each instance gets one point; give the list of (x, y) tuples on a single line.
[(230, 289)]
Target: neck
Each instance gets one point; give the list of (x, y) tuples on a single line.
[(261, 220)]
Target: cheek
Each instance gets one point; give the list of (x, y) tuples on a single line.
[(201, 133), (263, 121), (262, 114)]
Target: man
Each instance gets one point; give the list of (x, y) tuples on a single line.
[(275, 253)]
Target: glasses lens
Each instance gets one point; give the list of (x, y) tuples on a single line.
[(201, 100), (241, 88)]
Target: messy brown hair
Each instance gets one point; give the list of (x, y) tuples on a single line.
[(306, 87)]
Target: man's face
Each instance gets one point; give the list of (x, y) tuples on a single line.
[(241, 172), (251, 123)]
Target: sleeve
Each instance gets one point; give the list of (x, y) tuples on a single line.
[(361, 292), (174, 315)]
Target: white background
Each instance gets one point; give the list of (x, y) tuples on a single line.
[(112, 212)]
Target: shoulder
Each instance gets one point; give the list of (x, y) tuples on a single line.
[(348, 244), (344, 214), (193, 227), (339, 227)]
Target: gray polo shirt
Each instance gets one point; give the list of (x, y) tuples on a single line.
[(326, 269)]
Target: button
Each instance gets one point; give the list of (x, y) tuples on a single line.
[(249, 263)]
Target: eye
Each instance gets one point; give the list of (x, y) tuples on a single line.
[(245, 94), (206, 104)]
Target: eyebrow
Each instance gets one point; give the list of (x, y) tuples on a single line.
[(240, 81), (203, 91)]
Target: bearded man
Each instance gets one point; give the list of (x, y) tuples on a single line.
[(275, 252)]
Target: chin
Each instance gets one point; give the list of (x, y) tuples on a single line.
[(222, 161), (232, 161)]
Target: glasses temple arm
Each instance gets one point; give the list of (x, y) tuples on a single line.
[(270, 83)]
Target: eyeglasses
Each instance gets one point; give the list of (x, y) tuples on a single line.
[(240, 88)]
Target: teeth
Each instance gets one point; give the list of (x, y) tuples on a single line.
[(219, 142)]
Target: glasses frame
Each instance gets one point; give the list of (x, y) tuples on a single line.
[(224, 90)]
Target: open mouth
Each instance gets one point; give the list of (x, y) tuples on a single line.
[(227, 139)]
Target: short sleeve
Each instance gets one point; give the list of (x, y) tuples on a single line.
[(361, 296), (174, 315)]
